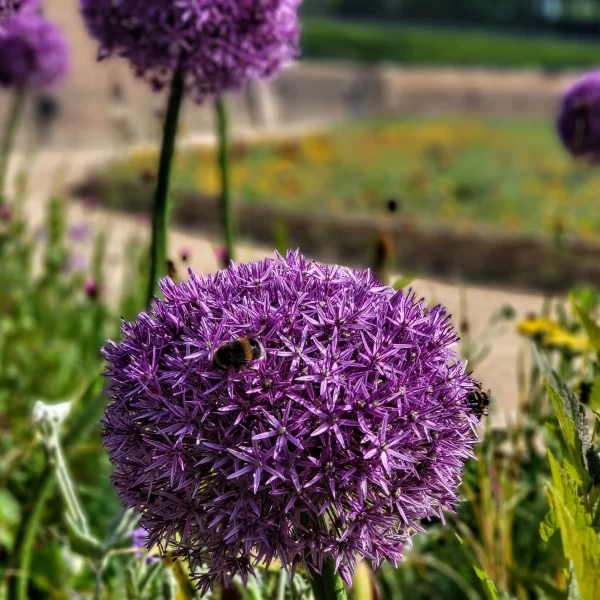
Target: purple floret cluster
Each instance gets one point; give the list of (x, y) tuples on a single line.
[(33, 52), (9, 8), (352, 429), (218, 45), (578, 121)]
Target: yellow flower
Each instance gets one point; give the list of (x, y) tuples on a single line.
[(537, 326), (565, 340)]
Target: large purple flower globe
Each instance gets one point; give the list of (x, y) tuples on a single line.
[(219, 45), (578, 122), (33, 52), (353, 427), (9, 8)]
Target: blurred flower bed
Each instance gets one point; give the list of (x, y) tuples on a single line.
[(506, 174)]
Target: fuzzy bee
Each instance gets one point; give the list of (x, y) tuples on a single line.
[(238, 353), (478, 401)]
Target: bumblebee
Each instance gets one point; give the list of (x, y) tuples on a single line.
[(238, 353), (478, 401)]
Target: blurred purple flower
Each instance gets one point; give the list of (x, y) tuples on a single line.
[(33, 52), (91, 289), (353, 428), (5, 212), (221, 256), (79, 233), (9, 8), (218, 44), (578, 122), (138, 540), (76, 262)]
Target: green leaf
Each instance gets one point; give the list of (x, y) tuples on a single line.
[(548, 526), (10, 514), (580, 540), (83, 544), (591, 328), (403, 282), (595, 394), (490, 588)]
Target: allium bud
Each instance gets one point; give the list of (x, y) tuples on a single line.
[(352, 428), (219, 45)]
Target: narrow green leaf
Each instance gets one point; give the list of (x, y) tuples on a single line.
[(490, 588), (591, 328), (83, 544)]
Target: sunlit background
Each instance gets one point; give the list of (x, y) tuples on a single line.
[(413, 137)]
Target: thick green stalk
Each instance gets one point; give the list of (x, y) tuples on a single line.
[(160, 218), (227, 212), (328, 585), (10, 131)]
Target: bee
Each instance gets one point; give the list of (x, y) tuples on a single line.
[(238, 353), (478, 401)]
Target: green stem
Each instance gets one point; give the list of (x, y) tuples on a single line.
[(10, 130), (22, 553), (160, 218), (328, 585), (227, 212), (93, 401)]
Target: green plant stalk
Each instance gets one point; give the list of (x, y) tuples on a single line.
[(25, 538), (223, 157), (327, 585), (93, 401), (160, 217), (8, 139)]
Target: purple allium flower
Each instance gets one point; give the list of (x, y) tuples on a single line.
[(218, 44), (353, 428), (76, 262), (578, 122), (33, 52), (5, 212), (9, 8)]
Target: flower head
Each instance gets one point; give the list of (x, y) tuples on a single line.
[(33, 52), (578, 122), (9, 8), (351, 429), (219, 45)]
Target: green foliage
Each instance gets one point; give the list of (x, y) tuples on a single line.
[(436, 46)]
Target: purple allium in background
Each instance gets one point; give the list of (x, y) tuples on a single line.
[(76, 262), (353, 428), (33, 52), (219, 45), (79, 233), (578, 122), (9, 8), (5, 212)]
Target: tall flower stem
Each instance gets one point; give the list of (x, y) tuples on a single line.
[(8, 139), (227, 212), (160, 217), (328, 585)]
